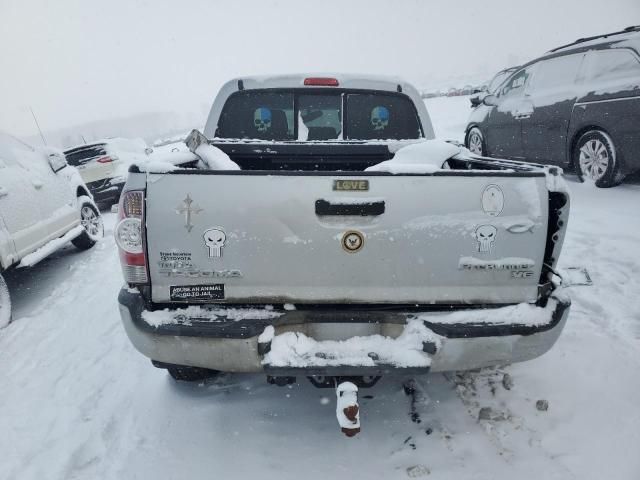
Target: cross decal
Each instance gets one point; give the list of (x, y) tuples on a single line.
[(187, 210)]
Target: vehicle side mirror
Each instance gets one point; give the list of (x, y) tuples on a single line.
[(490, 100), (57, 161), (475, 100)]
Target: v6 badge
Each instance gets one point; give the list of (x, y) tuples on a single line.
[(352, 241)]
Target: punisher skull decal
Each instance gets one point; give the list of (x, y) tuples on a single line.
[(486, 237), (262, 119), (214, 240), (379, 118)]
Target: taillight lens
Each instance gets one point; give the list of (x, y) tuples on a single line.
[(129, 233), (132, 204), (104, 160)]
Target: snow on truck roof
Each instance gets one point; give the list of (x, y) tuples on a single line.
[(297, 80)]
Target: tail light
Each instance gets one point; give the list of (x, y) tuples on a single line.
[(130, 237), (104, 160)]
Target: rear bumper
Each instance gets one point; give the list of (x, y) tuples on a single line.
[(224, 342), (107, 190)]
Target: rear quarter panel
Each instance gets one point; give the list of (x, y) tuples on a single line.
[(619, 117)]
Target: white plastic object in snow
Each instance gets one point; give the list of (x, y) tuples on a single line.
[(211, 157), (347, 408), (573, 276), (303, 131), (214, 158), (267, 335), (423, 157)]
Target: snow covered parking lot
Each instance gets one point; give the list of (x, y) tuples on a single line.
[(77, 401)]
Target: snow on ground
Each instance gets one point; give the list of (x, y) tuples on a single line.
[(449, 116), (76, 400)]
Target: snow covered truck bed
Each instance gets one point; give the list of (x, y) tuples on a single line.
[(325, 232)]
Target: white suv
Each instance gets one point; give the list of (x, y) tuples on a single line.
[(43, 204), (103, 165)]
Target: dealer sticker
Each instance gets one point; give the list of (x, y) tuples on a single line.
[(197, 292)]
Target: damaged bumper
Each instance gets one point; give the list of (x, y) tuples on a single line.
[(106, 190), (343, 340)]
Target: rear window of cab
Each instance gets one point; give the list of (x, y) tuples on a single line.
[(307, 115)]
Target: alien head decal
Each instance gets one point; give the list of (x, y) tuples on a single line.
[(262, 119), (379, 118)]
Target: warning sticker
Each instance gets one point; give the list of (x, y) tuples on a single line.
[(197, 292)]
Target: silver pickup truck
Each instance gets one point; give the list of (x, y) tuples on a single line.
[(338, 240)]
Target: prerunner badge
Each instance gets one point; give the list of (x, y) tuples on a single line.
[(197, 292)]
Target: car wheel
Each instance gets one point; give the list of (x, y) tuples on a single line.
[(190, 374), (475, 141), (595, 159), (5, 304), (91, 221)]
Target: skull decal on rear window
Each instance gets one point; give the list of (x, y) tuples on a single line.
[(262, 119), (379, 118)]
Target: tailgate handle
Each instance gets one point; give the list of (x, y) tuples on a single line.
[(324, 207)]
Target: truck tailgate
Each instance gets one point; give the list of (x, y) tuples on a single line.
[(312, 237)]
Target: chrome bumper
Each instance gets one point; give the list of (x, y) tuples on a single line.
[(232, 346)]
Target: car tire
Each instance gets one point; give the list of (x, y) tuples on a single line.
[(475, 142), (91, 221), (190, 374), (5, 304), (596, 161)]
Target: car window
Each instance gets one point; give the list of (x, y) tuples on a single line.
[(322, 115), (381, 116), (260, 114), (80, 156), (555, 73), (612, 67), (272, 115), (496, 81), (515, 85)]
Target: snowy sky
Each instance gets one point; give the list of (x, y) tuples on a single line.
[(77, 61)]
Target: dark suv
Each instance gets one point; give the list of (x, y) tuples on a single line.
[(578, 107)]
